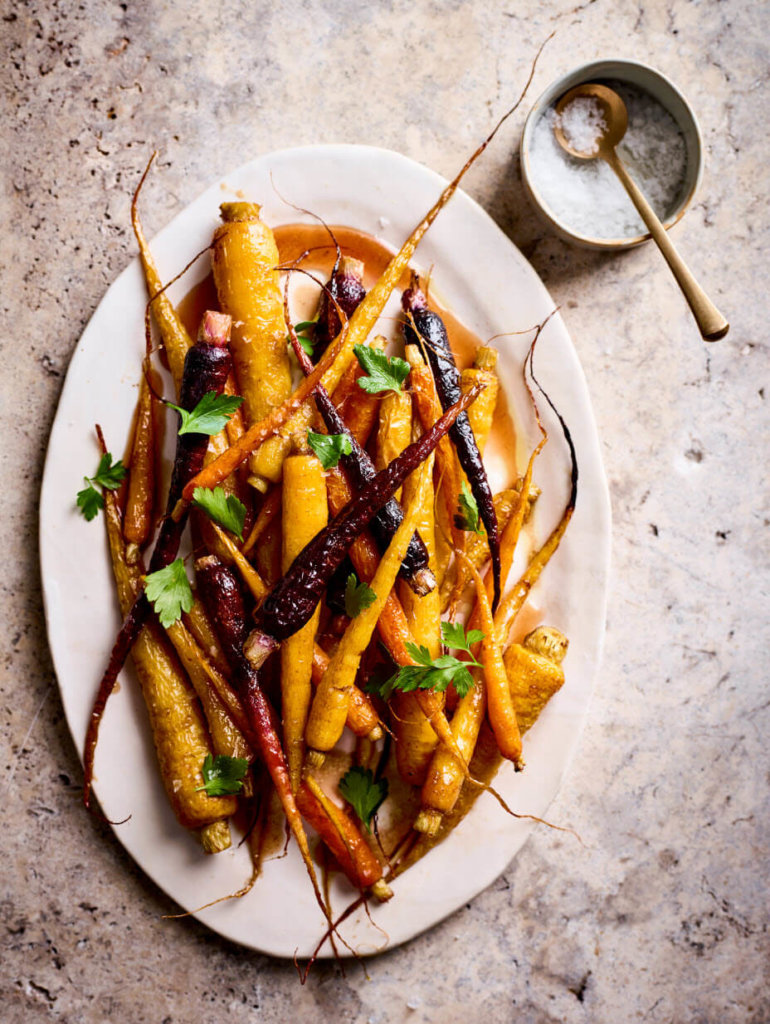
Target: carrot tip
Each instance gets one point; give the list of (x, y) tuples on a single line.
[(428, 821)]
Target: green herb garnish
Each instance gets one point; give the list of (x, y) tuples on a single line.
[(225, 509), (384, 374)]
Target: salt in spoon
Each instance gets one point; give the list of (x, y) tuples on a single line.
[(712, 324)]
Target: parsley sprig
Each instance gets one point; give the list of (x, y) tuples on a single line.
[(329, 447), (358, 596), (225, 509), (467, 515), (169, 592), (209, 416), (384, 374), (223, 775), (109, 476), (305, 332), (366, 796), (437, 673)]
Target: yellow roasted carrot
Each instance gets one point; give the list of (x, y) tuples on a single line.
[(482, 412), (415, 737), (305, 513), (141, 494), (394, 431), (244, 258), (331, 700), (179, 732)]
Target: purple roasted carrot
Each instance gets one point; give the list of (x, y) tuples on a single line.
[(206, 368), (223, 599), (360, 470), (426, 329), (344, 292), (292, 600)]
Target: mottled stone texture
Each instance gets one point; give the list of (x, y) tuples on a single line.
[(661, 913)]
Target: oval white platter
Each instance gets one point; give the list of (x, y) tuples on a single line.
[(489, 285)]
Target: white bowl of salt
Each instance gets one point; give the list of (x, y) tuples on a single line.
[(582, 199)]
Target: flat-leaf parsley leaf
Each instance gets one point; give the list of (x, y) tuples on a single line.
[(225, 509), (384, 374), (467, 515), (169, 592), (329, 447), (108, 475), (365, 795), (209, 416), (358, 596), (223, 775)]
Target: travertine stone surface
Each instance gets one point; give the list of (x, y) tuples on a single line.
[(661, 913)]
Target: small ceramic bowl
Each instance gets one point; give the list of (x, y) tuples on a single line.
[(642, 77)]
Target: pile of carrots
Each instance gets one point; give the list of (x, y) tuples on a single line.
[(343, 573)]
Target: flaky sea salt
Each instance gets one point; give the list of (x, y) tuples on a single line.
[(585, 195), (583, 124)]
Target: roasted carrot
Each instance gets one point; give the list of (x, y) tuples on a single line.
[(331, 699), (394, 430), (140, 498), (305, 513), (500, 707), (176, 340), (207, 365), (178, 730), (481, 413), (237, 453), (426, 328), (360, 470), (244, 258), (223, 599), (271, 507), (344, 292), (506, 502), (362, 719), (358, 408), (343, 837), (293, 599), (536, 667), (415, 737), (444, 778), (428, 410)]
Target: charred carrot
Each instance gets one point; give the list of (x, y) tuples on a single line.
[(343, 837), (293, 599), (223, 599), (330, 702), (271, 506), (207, 365), (344, 291), (305, 513), (360, 470), (426, 328)]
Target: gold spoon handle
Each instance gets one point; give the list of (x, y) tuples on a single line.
[(711, 323)]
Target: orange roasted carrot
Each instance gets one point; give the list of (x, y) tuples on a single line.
[(343, 837)]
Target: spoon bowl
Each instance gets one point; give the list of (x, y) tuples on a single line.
[(613, 113)]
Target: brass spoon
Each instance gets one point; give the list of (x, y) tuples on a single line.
[(712, 324)]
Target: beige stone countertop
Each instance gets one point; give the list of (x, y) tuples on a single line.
[(662, 914)]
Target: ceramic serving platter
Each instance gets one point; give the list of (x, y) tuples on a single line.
[(488, 284)]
